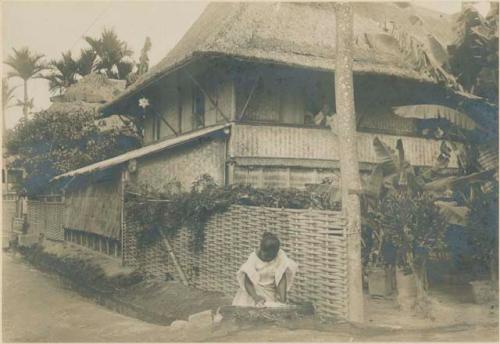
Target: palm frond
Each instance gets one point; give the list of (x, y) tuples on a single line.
[(86, 62), (25, 63), (111, 54)]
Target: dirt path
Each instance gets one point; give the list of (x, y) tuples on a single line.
[(345, 334), (37, 308)]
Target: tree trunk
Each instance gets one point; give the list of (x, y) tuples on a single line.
[(349, 166), (25, 104)]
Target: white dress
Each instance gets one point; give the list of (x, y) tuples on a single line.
[(265, 277)]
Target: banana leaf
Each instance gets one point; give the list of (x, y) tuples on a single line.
[(454, 214), (448, 183)]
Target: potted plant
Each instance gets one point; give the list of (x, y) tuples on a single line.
[(416, 228), (482, 232), (378, 268)]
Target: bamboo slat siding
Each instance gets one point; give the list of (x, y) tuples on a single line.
[(309, 143), (95, 207), (46, 218), (284, 177), (314, 239)]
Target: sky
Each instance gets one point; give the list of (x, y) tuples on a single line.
[(52, 27)]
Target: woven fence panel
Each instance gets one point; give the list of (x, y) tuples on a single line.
[(314, 239), (8, 214), (152, 261), (35, 217), (46, 218)]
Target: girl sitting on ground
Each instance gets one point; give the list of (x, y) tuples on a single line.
[(267, 275)]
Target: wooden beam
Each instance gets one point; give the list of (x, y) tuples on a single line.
[(214, 104), (250, 96), (174, 260), (168, 124), (157, 115)]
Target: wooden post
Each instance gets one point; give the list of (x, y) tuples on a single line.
[(349, 165), (174, 260)]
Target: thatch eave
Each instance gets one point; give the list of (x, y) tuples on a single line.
[(299, 61)]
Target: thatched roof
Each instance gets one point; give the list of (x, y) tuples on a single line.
[(93, 88), (303, 35), (70, 107)]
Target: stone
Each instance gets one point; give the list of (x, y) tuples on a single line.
[(202, 320), (179, 324)]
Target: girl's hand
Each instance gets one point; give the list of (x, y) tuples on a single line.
[(259, 300)]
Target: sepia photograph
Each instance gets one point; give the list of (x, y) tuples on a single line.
[(250, 171)]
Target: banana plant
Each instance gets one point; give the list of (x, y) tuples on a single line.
[(394, 173)]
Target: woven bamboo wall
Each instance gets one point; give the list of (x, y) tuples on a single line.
[(46, 218), (314, 239), (309, 143)]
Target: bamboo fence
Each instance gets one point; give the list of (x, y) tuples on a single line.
[(315, 239)]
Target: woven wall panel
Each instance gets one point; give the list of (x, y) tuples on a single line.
[(314, 239), (46, 218)]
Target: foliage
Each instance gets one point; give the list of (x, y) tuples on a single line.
[(25, 64), (482, 228), (52, 143), (113, 55), (82, 271), (413, 224), (394, 175), (474, 54), (166, 211), (63, 73), (86, 62)]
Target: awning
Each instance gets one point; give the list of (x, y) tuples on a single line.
[(430, 111), (154, 148)]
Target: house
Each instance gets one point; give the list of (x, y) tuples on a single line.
[(85, 96), (88, 94), (247, 96)]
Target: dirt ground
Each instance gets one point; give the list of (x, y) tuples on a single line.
[(38, 308)]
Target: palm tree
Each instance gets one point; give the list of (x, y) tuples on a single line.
[(63, 74), (113, 55), (7, 96), (349, 164), (86, 62), (26, 65)]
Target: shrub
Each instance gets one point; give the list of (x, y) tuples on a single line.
[(165, 212)]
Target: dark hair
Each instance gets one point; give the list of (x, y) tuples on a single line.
[(270, 241)]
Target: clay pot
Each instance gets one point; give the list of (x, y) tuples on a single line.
[(483, 291), (407, 290), (379, 281)]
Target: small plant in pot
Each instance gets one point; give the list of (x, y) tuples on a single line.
[(482, 231), (416, 228), (379, 267)]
